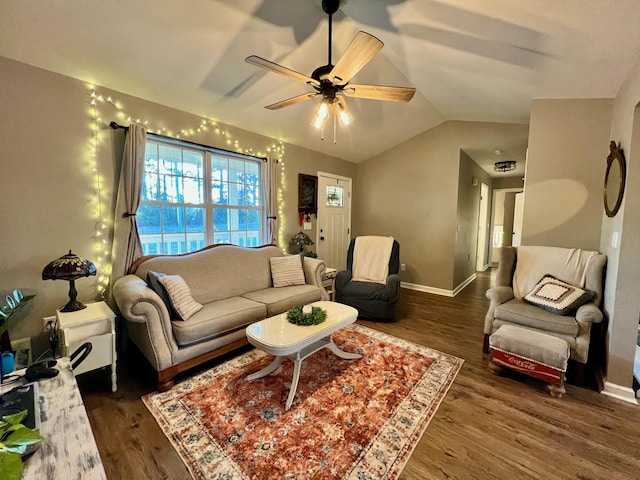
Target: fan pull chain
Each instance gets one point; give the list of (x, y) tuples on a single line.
[(335, 129)]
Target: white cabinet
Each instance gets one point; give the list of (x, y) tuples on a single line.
[(94, 324)]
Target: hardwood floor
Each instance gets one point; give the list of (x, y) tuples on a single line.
[(487, 427)]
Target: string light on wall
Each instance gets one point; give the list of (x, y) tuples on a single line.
[(102, 243), (275, 151)]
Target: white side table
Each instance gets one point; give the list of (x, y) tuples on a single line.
[(95, 324), (328, 277)]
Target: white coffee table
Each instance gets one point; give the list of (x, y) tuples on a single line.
[(276, 336)]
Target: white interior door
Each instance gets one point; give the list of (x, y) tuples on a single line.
[(517, 220), (333, 232), (483, 228)]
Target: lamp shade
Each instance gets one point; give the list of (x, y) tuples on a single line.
[(69, 267)]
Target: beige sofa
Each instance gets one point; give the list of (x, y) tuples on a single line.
[(234, 286)]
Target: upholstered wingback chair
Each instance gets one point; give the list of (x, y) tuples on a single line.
[(519, 297), (367, 257)]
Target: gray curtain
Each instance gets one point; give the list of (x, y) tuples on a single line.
[(270, 193), (126, 241)]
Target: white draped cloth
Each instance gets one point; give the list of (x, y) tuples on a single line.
[(566, 264), (371, 256)]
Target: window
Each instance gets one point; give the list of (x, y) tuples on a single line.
[(194, 196), (335, 196)]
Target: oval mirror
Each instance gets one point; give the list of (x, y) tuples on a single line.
[(614, 180)]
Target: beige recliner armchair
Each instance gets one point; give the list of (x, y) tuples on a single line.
[(518, 282)]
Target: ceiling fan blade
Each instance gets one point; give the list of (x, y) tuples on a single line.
[(292, 101), (274, 67), (379, 92), (360, 52)]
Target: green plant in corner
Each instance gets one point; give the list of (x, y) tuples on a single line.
[(298, 244), (14, 440), (14, 303)]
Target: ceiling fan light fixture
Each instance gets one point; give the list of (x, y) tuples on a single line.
[(504, 166), (321, 115), (344, 116), (332, 81)]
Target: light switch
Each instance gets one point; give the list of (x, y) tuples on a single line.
[(307, 225)]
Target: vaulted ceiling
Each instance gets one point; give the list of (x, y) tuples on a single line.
[(473, 61)]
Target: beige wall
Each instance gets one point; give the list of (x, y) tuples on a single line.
[(411, 193), (508, 182), (568, 144), (468, 209), (622, 290), (48, 195)]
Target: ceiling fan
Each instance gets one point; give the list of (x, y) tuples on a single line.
[(332, 81)]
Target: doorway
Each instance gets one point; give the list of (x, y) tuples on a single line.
[(333, 233), (502, 220), (483, 228), (517, 219)]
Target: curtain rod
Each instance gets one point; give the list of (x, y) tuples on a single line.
[(116, 126)]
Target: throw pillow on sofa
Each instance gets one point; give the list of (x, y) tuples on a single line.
[(287, 271), (153, 280), (180, 296), (556, 296)]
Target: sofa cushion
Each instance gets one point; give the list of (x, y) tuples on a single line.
[(556, 296), (180, 296), (521, 313), (278, 300), (217, 319), (287, 271), (153, 280)]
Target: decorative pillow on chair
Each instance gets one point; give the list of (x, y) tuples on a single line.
[(287, 271), (556, 296), (180, 296)]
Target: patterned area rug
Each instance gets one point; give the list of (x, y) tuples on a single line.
[(350, 419)]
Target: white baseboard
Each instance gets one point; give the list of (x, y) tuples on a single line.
[(621, 393), (460, 287), (438, 291), (426, 289)]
